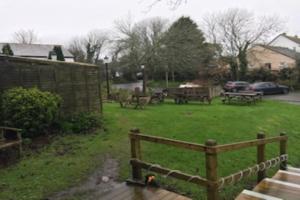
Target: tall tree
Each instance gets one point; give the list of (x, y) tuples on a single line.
[(236, 30), (185, 49), (25, 36), (139, 44)]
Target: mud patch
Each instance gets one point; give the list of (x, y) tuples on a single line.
[(100, 182)]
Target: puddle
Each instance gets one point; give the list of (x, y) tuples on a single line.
[(100, 182)]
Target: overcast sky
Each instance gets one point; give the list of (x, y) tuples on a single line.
[(57, 21)]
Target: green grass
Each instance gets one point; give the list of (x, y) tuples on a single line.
[(39, 175)]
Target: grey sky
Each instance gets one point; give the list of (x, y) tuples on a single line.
[(56, 21)]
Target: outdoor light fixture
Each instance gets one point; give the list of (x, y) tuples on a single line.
[(142, 66), (105, 60)]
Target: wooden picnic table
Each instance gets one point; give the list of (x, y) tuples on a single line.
[(242, 97)]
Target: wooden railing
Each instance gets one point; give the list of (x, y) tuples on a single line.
[(212, 182)]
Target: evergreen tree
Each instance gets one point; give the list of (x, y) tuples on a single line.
[(59, 53), (6, 49), (186, 51)]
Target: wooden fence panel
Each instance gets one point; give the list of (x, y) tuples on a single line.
[(78, 84)]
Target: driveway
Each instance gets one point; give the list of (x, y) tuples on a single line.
[(292, 97)]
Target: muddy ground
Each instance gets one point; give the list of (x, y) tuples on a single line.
[(100, 182)]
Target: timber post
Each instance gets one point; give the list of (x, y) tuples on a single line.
[(135, 153), (261, 157), (283, 147), (211, 171)]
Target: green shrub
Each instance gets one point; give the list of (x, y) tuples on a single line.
[(31, 110), (81, 123)]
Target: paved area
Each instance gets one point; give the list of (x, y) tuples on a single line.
[(293, 97)]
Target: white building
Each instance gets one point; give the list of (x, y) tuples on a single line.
[(37, 51), (290, 42)]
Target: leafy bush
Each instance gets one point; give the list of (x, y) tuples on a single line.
[(32, 110), (81, 123), (261, 74), (6, 49)]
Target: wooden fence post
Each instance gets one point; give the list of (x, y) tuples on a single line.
[(283, 147), (211, 171), (261, 157), (135, 154)]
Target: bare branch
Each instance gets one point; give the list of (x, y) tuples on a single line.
[(25, 36)]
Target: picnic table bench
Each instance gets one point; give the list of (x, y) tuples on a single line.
[(184, 95), (10, 144), (241, 97)]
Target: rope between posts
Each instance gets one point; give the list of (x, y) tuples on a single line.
[(253, 170)]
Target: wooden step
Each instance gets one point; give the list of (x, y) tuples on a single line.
[(284, 185), (293, 169), (251, 195), (126, 192)]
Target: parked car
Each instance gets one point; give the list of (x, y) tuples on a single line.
[(235, 86), (269, 88)]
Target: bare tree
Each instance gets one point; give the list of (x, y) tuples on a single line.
[(173, 4), (88, 48), (76, 48), (236, 30), (139, 43), (25, 36), (94, 43)]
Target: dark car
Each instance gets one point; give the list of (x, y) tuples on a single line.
[(235, 86), (269, 88)]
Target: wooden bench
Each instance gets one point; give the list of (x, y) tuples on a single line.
[(184, 95), (10, 144), (241, 97)]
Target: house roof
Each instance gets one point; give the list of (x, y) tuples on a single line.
[(292, 38), (35, 50), (284, 51)]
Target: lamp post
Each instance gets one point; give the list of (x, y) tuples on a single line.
[(144, 79), (106, 71)]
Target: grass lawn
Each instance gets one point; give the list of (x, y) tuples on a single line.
[(40, 174)]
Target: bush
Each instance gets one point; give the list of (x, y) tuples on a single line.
[(31, 110), (81, 123), (261, 74)]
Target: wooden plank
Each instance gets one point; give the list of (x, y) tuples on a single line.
[(261, 157), (172, 173), (250, 195), (293, 169), (283, 147), (277, 189), (10, 144), (211, 171), (250, 143), (175, 143), (286, 176)]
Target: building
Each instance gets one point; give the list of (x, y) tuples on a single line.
[(290, 42), (271, 57), (37, 51)]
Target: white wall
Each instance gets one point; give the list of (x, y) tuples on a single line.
[(282, 41)]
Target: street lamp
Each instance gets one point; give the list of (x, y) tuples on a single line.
[(144, 79), (107, 81)]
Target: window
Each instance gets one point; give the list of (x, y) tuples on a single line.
[(268, 66)]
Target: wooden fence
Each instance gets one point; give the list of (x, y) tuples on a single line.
[(77, 83), (211, 150)]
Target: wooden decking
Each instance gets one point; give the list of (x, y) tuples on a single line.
[(126, 192), (285, 185)]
